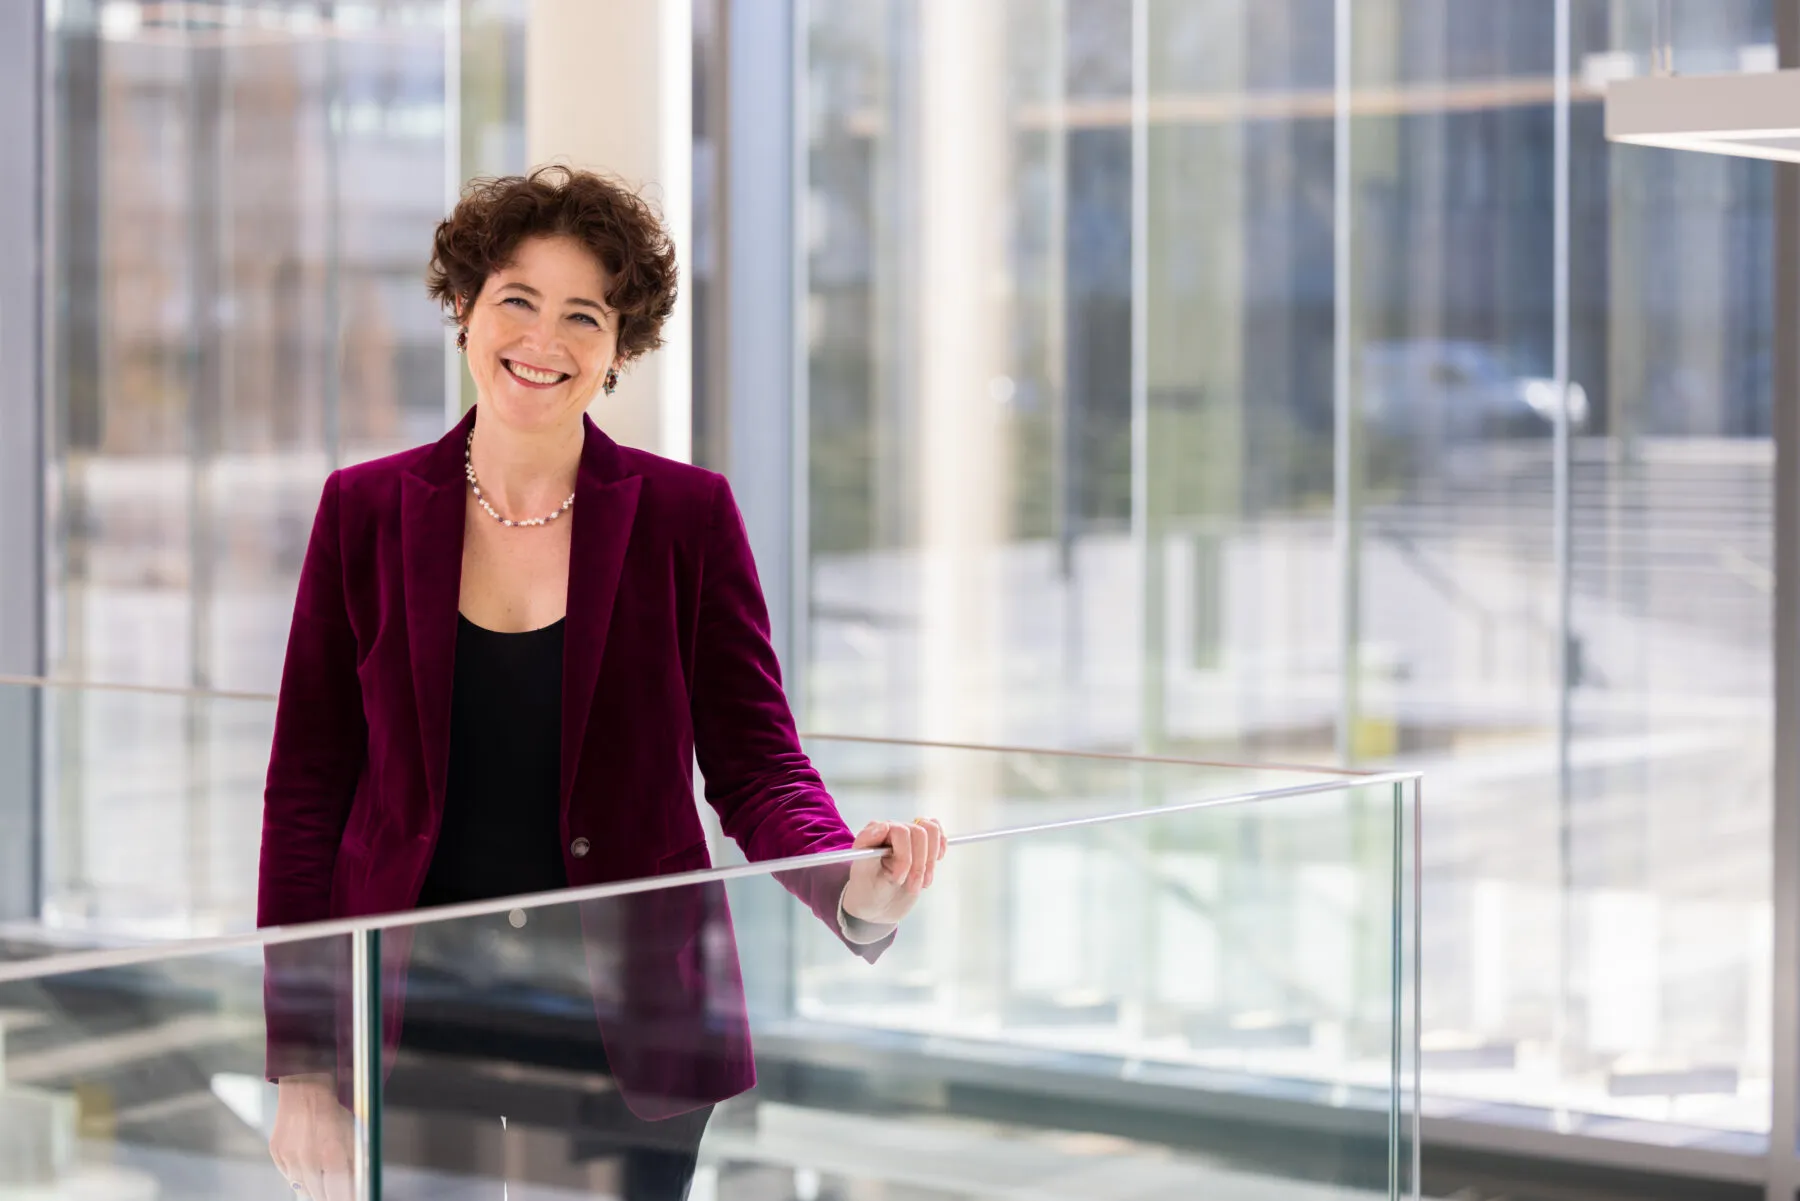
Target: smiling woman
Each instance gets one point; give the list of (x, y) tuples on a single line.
[(615, 226), (536, 326), (508, 651), (557, 280)]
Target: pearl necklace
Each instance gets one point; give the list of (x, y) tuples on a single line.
[(469, 470)]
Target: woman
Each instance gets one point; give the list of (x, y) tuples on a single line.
[(507, 649)]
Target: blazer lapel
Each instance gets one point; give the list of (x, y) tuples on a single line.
[(605, 506), (431, 545)]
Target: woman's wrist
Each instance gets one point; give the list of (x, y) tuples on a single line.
[(321, 1079), (857, 930)]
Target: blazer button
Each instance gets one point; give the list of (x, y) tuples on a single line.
[(579, 848)]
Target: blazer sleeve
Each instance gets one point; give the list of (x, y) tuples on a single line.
[(319, 748), (769, 798)]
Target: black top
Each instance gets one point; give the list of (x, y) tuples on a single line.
[(502, 832)]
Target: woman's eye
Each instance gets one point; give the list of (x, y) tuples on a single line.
[(587, 318), (518, 300)]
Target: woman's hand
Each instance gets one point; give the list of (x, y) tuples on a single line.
[(884, 890), (314, 1143)]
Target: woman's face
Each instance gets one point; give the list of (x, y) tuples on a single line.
[(541, 336)]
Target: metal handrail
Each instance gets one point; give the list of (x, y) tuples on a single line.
[(115, 957)]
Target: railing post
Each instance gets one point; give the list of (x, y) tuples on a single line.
[(365, 1009)]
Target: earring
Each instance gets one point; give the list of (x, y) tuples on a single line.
[(611, 381), (462, 339)]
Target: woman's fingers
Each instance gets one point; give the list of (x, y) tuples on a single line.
[(935, 846), (900, 853), (338, 1159), (920, 837), (286, 1156), (913, 851), (313, 1144), (340, 1185)]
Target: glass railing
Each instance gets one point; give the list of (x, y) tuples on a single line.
[(150, 803), (152, 800), (1144, 987), (1609, 1011)]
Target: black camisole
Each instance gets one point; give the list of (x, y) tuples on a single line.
[(508, 986), (501, 832)]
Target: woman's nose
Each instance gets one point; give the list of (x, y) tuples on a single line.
[(542, 331)]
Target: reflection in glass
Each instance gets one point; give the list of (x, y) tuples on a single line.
[(1245, 953), (145, 1081), (1245, 950)]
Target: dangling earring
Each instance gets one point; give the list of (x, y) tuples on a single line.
[(462, 339), (611, 381)]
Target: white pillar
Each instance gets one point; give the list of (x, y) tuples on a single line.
[(964, 298), (608, 87), (964, 477)]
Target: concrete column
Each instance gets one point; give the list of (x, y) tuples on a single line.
[(962, 358), (608, 87)]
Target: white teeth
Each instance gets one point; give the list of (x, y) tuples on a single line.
[(534, 377)]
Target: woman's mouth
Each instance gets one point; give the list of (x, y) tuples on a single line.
[(533, 377)]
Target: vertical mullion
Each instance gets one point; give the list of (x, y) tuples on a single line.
[(1561, 507), (798, 14), (1561, 529), (453, 181), (1144, 547), (762, 157), (22, 455), (1784, 1046), (1343, 455), (797, 463), (331, 433)]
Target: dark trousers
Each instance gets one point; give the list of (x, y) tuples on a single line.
[(498, 1025)]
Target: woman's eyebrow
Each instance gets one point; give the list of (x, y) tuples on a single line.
[(592, 304)]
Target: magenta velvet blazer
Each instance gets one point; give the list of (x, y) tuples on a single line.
[(666, 654)]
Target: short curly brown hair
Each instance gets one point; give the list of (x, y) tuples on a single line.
[(617, 225)]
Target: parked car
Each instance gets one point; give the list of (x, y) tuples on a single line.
[(1447, 393)]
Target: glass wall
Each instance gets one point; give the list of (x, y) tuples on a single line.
[(1668, 781), (1162, 395), (240, 202)]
